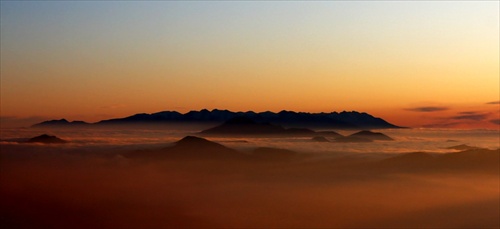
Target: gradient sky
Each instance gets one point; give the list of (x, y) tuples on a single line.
[(432, 64)]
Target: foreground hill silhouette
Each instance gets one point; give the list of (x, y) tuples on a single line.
[(191, 148), (363, 136), (46, 139), (372, 135), (342, 120)]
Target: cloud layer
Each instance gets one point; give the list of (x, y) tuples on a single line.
[(427, 109), (471, 116)]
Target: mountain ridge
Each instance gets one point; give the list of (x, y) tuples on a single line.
[(335, 120)]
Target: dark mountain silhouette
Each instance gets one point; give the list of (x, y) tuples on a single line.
[(364, 136), (372, 135), (189, 148), (46, 139), (342, 120), (195, 148), (170, 116), (246, 126), (61, 123), (361, 136)]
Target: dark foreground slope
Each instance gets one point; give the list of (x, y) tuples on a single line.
[(62, 189)]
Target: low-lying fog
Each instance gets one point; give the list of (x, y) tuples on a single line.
[(92, 182), (407, 140)]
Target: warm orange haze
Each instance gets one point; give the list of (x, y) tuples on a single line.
[(242, 114)]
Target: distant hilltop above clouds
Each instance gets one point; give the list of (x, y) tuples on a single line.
[(333, 120)]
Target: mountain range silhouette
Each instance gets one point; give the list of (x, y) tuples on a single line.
[(336, 120), (246, 126), (61, 123)]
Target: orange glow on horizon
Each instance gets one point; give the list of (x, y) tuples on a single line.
[(374, 57)]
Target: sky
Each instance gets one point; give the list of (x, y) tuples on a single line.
[(413, 63)]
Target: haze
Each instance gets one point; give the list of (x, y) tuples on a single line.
[(134, 179)]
